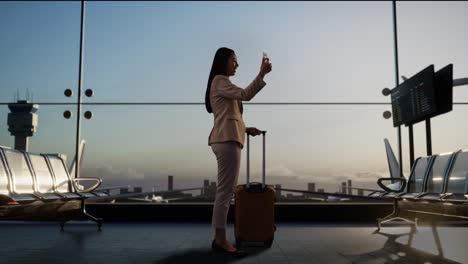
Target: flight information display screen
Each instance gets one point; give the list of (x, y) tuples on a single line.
[(414, 99), (444, 89)]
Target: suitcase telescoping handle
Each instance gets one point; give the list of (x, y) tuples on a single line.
[(248, 160)]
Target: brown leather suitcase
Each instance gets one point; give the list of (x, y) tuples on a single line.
[(254, 208)]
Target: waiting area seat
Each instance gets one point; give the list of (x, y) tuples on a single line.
[(30, 184), (437, 186)]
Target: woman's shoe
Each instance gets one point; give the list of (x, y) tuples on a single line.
[(217, 248)]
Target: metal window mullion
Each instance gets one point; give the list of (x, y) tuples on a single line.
[(80, 84)]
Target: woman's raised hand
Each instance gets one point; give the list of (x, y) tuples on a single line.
[(253, 131), (265, 67)]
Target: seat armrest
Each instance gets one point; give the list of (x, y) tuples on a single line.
[(90, 189), (445, 196), (402, 187)]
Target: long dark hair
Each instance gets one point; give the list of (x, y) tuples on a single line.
[(219, 67)]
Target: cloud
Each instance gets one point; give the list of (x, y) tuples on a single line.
[(285, 174), (280, 170), (368, 175), (278, 174), (331, 180), (109, 172)]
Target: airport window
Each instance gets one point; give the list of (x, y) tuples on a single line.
[(40, 41), (330, 74), (429, 33), (323, 148), (162, 51), (147, 64)]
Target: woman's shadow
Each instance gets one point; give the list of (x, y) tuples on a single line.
[(205, 255)]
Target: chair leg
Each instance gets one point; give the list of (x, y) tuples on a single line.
[(395, 216), (437, 239), (390, 218), (90, 217)]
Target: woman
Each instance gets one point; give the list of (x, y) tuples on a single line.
[(226, 139)]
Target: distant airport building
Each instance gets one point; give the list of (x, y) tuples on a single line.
[(123, 190), (206, 186), (212, 190), (296, 197), (360, 192), (310, 188), (209, 189), (343, 187), (137, 189), (321, 190), (22, 122), (350, 190), (170, 183)]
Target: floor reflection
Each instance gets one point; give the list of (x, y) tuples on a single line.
[(204, 255), (170, 243), (409, 247)]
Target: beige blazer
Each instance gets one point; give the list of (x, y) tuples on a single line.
[(226, 102)]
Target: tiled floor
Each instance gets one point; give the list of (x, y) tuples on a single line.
[(25, 242)]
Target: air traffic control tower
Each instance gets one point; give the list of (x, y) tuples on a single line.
[(22, 122)]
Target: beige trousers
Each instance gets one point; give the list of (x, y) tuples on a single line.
[(228, 155)]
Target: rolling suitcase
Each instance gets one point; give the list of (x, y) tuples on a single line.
[(254, 208)]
